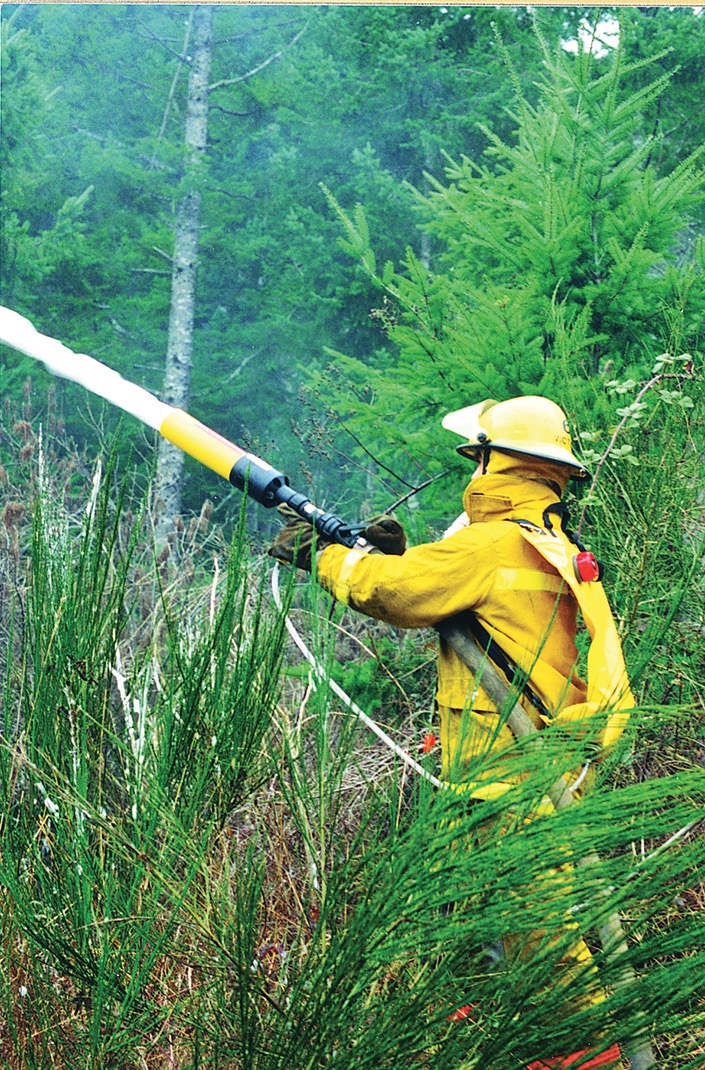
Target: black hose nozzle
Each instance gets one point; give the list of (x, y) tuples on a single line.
[(270, 487), (329, 527)]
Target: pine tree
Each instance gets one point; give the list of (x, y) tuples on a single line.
[(555, 262)]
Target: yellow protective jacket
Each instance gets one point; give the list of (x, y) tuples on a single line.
[(491, 568)]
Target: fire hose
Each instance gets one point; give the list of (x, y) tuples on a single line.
[(270, 487)]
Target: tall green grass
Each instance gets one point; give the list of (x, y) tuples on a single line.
[(122, 764), (201, 869)]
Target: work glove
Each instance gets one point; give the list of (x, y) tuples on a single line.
[(293, 544), (386, 534)]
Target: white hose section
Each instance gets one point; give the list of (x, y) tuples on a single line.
[(583, 773), (344, 698), (20, 334)]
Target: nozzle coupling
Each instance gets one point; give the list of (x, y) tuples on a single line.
[(258, 479), (270, 487), (328, 526)]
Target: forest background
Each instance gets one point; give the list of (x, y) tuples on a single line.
[(402, 210)]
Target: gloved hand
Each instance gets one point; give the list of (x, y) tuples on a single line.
[(386, 534), (294, 543)]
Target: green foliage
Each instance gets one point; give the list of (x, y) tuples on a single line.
[(110, 772), (193, 863), (178, 885), (641, 518), (675, 37), (358, 98), (366, 101), (416, 944), (27, 252), (387, 677), (556, 265)]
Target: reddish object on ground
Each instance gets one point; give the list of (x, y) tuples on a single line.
[(429, 742), (579, 1060), (462, 1012)]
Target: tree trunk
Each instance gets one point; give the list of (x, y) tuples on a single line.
[(177, 377)]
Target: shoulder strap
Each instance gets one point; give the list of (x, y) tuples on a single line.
[(608, 684), (501, 661)]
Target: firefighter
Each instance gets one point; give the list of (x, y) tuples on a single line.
[(509, 562)]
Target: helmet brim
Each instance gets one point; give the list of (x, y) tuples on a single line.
[(542, 452), (466, 421)]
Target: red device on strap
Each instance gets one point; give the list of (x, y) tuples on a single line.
[(587, 567)]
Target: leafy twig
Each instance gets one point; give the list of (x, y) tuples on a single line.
[(652, 382)]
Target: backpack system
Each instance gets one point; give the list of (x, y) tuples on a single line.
[(608, 691)]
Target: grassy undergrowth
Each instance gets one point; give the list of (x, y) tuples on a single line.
[(205, 862)]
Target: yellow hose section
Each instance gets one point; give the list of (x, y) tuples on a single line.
[(194, 438)]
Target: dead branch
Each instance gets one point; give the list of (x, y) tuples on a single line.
[(260, 66)]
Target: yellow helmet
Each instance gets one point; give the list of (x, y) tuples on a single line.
[(531, 425)]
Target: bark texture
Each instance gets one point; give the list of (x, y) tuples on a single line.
[(177, 377)]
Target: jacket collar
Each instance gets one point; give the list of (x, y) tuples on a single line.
[(508, 497)]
